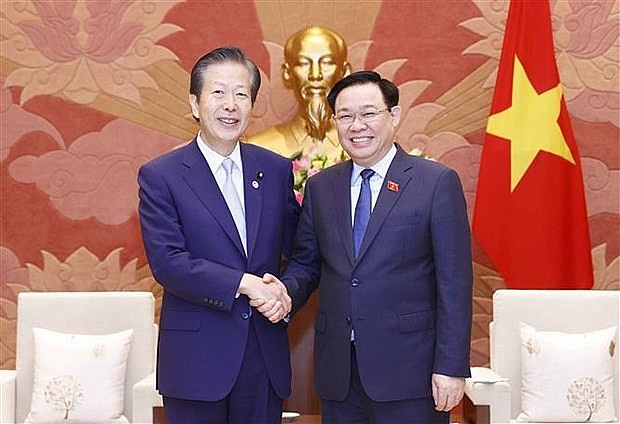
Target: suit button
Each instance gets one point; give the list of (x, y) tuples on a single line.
[(354, 282), (206, 300), (245, 315), (348, 320)]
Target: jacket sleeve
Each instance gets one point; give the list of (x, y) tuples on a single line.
[(291, 215), (191, 278), (451, 241), (303, 271)]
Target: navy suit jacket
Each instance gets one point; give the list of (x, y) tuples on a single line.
[(195, 253), (408, 294)]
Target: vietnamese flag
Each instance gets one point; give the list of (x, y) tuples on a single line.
[(530, 213)]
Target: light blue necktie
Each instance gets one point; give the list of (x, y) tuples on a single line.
[(232, 200), (362, 211)]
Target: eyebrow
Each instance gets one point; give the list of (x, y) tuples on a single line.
[(219, 83), (367, 106), (329, 55)]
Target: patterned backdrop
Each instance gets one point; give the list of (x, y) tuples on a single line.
[(92, 89)]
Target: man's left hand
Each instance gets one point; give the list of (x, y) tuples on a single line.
[(447, 391)]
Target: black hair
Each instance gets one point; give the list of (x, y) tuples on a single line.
[(388, 88), (229, 54)]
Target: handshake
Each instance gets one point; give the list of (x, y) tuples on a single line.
[(268, 295)]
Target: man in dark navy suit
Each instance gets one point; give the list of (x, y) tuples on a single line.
[(216, 215), (385, 239)]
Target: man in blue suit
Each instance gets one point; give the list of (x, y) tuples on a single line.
[(385, 238), (216, 215)]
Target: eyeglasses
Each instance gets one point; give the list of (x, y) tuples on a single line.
[(347, 118)]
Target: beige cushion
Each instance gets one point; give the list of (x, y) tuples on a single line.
[(78, 378), (567, 377), (86, 313)]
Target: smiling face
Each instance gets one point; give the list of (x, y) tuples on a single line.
[(224, 107), (366, 142)]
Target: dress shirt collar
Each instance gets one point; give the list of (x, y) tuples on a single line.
[(214, 159), (380, 168)]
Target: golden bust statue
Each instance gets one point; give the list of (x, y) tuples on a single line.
[(314, 59)]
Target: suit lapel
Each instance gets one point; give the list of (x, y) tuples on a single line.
[(253, 193), (387, 198), (199, 177), (342, 198)]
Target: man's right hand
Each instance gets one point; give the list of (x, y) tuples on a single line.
[(267, 295)]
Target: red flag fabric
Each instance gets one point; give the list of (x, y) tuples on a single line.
[(530, 212)]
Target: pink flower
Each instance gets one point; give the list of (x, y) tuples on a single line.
[(304, 162), (299, 197), (296, 166), (305, 167)]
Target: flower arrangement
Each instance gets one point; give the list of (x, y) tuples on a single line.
[(309, 164), (313, 162)]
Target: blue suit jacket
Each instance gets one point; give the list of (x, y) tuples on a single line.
[(408, 294), (195, 253)]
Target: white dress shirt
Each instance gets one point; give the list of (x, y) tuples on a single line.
[(376, 181), (214, 160)]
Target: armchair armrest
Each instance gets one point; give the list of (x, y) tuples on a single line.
[(485, 387), (7, 393), (145, 397)]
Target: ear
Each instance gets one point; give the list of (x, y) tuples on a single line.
[(286, 75), (193, 104), (347, 69), (396, 113)]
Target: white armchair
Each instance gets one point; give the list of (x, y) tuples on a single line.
[(566, 311), (92, 313)]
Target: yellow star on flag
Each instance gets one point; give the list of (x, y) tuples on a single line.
[(530, 123)]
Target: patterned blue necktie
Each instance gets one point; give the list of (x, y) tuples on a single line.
[(362, 210)]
